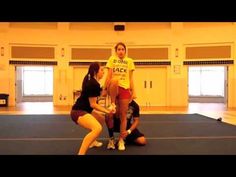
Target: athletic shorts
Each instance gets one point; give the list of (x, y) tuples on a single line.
[(75, 114), (132, 136), (124, 93)]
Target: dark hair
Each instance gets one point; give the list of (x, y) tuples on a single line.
[(120, 43), (93, 70)]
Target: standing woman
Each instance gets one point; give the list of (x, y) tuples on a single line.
[(119, 84), (82, 111)]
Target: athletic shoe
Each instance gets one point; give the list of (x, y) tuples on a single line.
[(121, 145), (111, 144), (95, 144)]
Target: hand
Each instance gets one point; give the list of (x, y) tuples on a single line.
[(112, 108), (124, 134), (133, 96)]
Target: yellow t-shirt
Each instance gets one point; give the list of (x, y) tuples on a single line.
[(120, 69)]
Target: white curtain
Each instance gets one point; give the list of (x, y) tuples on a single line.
[(206, 81), (37, 81)]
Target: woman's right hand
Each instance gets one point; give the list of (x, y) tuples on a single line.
[(112, 108)]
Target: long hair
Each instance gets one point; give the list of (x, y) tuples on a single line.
[(92, 71)]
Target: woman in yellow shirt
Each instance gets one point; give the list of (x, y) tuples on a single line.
[(120, 86)]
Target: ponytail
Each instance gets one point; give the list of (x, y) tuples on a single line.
[(92, 71)]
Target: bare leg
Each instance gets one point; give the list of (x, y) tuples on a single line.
[(123, 104), (141, 141), (109, 122), (113, 90), (89, 122)]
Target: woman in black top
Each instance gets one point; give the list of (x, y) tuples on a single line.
[(82, 111)]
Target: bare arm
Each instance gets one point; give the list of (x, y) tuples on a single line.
[(134, 124), (108, 78)]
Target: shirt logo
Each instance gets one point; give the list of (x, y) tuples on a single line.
[(120, 61), (120, 70)]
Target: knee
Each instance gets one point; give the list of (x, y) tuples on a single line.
[(97, 130), (141, 141)]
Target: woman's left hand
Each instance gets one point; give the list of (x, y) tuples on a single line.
[(124, 134), (133, 96)]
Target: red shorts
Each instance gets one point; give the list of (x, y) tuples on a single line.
[(124, 93)]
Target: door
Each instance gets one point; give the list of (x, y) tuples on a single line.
[(140, 85), (150, 85), (18, 84), (156, 90), (226, 86), (78, 76)]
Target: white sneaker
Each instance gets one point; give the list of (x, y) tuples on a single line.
[(111, 144), (121, 145), (95, 144), (113, 108)]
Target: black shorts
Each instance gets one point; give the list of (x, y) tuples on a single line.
[(75, 114), (130, 139)]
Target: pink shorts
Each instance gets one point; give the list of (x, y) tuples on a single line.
[(124, 93)]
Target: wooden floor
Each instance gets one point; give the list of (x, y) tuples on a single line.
[(214, 110)]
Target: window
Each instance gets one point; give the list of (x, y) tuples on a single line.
[(206, 81), (37, 81)]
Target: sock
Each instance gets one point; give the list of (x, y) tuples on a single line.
[(110, 131)]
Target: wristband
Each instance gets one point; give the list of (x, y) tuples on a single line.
[(129, 131)]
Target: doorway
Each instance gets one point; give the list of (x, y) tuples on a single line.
[(34, 84), (208, 84)]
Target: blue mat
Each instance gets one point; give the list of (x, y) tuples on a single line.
[(167, 134)]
